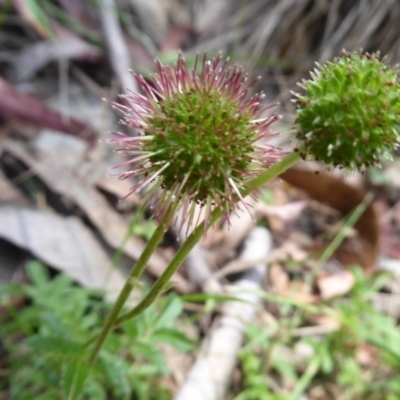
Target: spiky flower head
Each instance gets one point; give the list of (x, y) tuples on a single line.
[(201, 139), (348, 114)]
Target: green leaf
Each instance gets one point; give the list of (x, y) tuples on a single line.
[(33, 6), (9, 290), (37, 273), (131, 328), (54, 344), (152, 354), (174, 337), (94, 390), (286, 368), (144, 228), (202, 297), (170, 312), (73, 378), (116, 371), (267, 196)]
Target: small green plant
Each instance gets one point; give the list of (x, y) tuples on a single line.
[(255, 366), (44, 342), (361, 324), (333, 363)]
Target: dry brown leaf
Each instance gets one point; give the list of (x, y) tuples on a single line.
[(118, 188), (64, 243), (279, 215), (278, 279), (339, 195), (335, 285), (300, 292), (110, 224), (284, 212), (276, 224), (19, 106), (9, 194), (34, 57), (329, 323), (291, 250), (367, 355)]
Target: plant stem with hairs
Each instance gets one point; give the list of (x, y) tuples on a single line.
[(131, 281)]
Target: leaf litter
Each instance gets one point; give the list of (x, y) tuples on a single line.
[(279, 40)]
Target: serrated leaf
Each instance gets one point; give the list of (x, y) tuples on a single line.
[(146, 370), (170, 312), (54, 344), (152, 354), (116, 370)]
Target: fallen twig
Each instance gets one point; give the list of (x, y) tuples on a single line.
[(213, 368), (119, 55)]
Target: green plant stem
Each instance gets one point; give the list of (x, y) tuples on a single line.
[(339, 238), (305, 380), (273, 171), (161, 283), (134, 275)]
